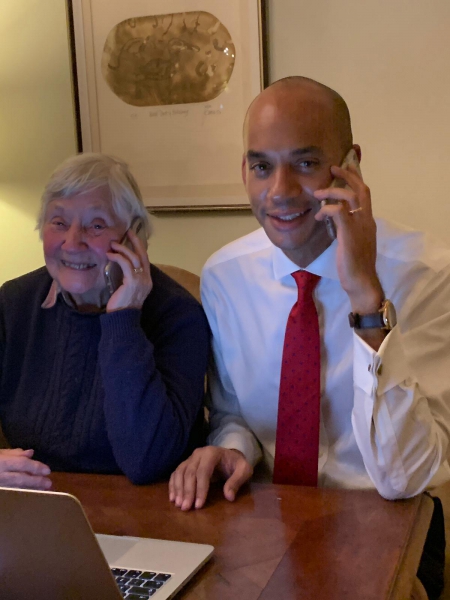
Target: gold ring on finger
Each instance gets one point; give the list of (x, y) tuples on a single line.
[(355, 210)]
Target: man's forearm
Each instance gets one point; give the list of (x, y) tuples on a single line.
[(399, 437)]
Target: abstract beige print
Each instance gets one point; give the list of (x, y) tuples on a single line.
[(168, 59)]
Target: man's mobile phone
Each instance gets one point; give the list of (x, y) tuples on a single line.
[(350, 159), (113, 272)]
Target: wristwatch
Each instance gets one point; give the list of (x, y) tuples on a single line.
[(385, 318)]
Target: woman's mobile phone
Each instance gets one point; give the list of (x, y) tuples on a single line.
[(113, 272), (350, 159)]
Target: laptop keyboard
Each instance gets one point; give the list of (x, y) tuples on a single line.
[(139, 585)]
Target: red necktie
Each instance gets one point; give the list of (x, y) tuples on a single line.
[(297, 441)]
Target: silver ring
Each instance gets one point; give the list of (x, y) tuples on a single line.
[(138, 270), (352, 212)]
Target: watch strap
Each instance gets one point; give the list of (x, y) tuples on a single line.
[(372, 321)]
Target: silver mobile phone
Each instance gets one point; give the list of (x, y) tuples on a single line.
[(113, 272), (350, 159)]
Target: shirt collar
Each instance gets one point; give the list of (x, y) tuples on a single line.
[(323, 266), (52, 296)]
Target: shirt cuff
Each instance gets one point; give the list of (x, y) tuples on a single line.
[(380, 370), (236, 441), (119, 324)]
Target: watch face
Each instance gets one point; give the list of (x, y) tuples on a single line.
[(389, 315)]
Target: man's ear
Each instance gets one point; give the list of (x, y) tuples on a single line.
[(357, 149), (244, 169)]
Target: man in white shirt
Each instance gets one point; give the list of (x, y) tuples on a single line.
[(385, 388)]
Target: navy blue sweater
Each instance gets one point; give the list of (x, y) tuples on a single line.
[(109, 393)]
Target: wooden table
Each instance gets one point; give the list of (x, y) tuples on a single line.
[(274, 542)]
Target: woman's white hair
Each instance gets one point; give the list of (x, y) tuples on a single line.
[(88, 171)]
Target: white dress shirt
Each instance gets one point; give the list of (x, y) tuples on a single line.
[(385, 416)]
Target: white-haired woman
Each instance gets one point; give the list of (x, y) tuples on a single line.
[(93, 380)]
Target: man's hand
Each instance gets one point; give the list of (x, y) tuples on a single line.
[(356, 235), (190, 481), (356, 245), (17, 469), (137, 282)]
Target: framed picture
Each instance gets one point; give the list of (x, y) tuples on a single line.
[(165, 84)]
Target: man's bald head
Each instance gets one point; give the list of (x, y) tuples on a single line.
[(302, 91)]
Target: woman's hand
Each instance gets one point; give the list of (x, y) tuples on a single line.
[(17, 469), (137, 282)]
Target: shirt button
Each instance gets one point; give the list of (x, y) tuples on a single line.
[(380, 370)]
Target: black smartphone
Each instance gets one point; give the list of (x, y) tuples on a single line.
[(350, 159), (113, 272)]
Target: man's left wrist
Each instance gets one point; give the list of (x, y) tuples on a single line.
[(367, 301), (384, 318)]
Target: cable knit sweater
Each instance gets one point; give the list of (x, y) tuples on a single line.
[(103, 393)]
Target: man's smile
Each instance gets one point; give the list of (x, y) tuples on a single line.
[(286, 220)]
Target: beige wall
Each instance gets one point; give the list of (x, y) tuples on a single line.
[(387, 57), (188, 240), (36, 123)]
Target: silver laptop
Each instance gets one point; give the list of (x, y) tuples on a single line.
[(49, 551)]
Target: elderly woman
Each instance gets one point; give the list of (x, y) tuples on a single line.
[(91, 380)]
